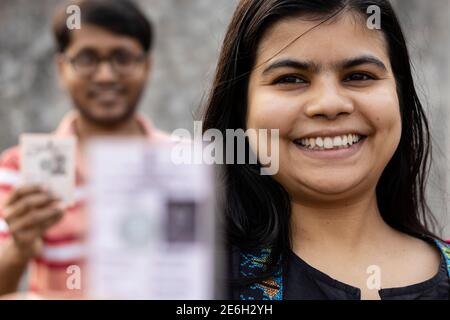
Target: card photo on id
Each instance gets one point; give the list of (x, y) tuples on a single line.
[(49, 161)]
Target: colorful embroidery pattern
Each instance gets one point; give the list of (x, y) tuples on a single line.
[(445, 249), (271, 289)]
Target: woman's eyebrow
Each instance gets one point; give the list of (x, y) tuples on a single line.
[(294, 64), (314, 67), (361, 60)]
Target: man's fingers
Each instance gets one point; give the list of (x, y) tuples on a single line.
[(27, 204), (36, 219), (21, 192), (50, 222)]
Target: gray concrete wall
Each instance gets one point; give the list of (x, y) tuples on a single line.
[(189, 33)]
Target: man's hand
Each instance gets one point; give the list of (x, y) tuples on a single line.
[(29, 211)]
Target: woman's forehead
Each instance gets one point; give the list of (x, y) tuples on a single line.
[(326, 43)]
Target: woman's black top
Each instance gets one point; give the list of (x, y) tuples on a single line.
[(305, 282), (301, 281)]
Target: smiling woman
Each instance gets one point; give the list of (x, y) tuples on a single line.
[(353, 152)]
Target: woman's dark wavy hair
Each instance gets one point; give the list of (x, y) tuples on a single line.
[(257, 208)]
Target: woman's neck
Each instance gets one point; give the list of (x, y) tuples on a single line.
[(344, 227)]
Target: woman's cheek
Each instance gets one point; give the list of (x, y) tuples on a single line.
[(381, 107), (383, 111), (272, 111)]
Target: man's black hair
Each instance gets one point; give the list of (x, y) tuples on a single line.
[(122, 17)]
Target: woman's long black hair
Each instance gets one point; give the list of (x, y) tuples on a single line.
[(257, 208)]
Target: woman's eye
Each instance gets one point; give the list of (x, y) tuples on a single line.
[(359, 77), (290, 80)]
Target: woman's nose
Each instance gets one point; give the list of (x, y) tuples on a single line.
[(328, 101)]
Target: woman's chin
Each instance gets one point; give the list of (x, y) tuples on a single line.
[(327, 189), (333, 190)]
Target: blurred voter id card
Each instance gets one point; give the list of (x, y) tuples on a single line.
[(49, 161), (151, 224)]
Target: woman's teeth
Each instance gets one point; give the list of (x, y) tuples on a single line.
[(327, 143)]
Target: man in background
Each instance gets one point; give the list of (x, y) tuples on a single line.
[(104, 67)]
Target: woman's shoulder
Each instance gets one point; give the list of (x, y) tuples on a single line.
[(427, 247), (425, 253)]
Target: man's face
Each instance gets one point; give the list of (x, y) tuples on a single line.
[(105, 74)]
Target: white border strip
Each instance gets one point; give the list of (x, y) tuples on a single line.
[(63, 252), (4, 228), (9, 177)]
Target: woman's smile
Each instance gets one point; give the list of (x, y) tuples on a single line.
[(331, 147)]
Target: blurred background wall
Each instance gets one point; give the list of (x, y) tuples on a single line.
[(189, 34), (427, 28)]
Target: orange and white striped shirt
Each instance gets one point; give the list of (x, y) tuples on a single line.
[(63, 242)]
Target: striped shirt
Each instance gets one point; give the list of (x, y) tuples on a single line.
[(63, 242)]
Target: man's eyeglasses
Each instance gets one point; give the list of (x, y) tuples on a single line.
[(123, 62)]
